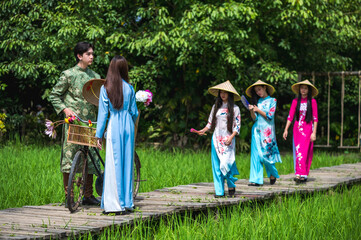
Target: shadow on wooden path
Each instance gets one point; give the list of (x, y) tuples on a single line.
[(54, 221)]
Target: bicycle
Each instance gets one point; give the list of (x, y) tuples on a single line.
[(85, 136)]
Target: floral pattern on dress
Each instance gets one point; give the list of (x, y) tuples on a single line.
[(237, 124), (223, 112), (264, 131), (298, 156), (226, 154), (267, 132), (222, 147), (303, 147), (301, 121)]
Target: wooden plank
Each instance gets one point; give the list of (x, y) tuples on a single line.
[(14, 236), (36, 212), (97, 224), (58, 233), (18, 231)]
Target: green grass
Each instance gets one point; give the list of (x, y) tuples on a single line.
[(170, 168), (30, 175), (330, 215)]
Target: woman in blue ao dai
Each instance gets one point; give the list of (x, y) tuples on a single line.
[(225, 122), (264, 150), (117, 97)]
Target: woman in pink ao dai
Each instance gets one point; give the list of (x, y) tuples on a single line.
[(304, 129)]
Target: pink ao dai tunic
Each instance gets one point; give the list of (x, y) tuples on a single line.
[(302, 145)]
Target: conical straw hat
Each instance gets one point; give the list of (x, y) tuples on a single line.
[(296, 87), (226, 86), (91, 90), (270, 88)]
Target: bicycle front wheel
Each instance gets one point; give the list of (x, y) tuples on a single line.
[(77, 179)]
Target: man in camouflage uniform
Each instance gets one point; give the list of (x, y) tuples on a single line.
[(67, 97)]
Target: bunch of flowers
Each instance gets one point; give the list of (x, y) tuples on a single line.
[(50, 126), (144, 96), (70, 119)]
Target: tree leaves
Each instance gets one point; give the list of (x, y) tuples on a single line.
[(180, 48)]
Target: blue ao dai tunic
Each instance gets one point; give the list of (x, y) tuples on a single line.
[(118, 174), (264, 149)]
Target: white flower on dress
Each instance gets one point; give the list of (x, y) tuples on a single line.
[(297, 147)]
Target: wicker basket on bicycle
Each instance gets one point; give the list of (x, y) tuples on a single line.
[(82, 135)]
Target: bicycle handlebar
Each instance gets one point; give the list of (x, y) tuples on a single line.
[(76, 115)]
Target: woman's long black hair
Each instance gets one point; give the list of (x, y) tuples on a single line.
[(255, 97), (230, 115), (118, 70), (309, 104)]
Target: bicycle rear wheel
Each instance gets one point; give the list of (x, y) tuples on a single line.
[(77, 179), (136, 176)]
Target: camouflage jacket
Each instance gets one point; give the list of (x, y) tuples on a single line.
[(67, 93)]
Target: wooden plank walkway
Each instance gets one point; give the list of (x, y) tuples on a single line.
[(54, 221)]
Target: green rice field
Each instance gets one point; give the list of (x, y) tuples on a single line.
[(30, 175), (329, 215)]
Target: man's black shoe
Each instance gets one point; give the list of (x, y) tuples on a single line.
[(90, 201)]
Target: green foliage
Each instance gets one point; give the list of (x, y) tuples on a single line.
[(177, 49), (2, 125)]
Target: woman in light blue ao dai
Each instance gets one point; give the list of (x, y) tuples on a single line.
[(264, 150), (117, 97)]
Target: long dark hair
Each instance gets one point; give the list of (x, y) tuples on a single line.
[(309, 105), (230, 107), (255, 97), (118, 70)]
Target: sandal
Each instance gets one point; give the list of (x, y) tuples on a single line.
[(255, 185), (272, 180), (218, 196), (303, 180), (296, 179), (231, 192)]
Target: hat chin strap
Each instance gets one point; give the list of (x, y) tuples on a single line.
[(91, 88)]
